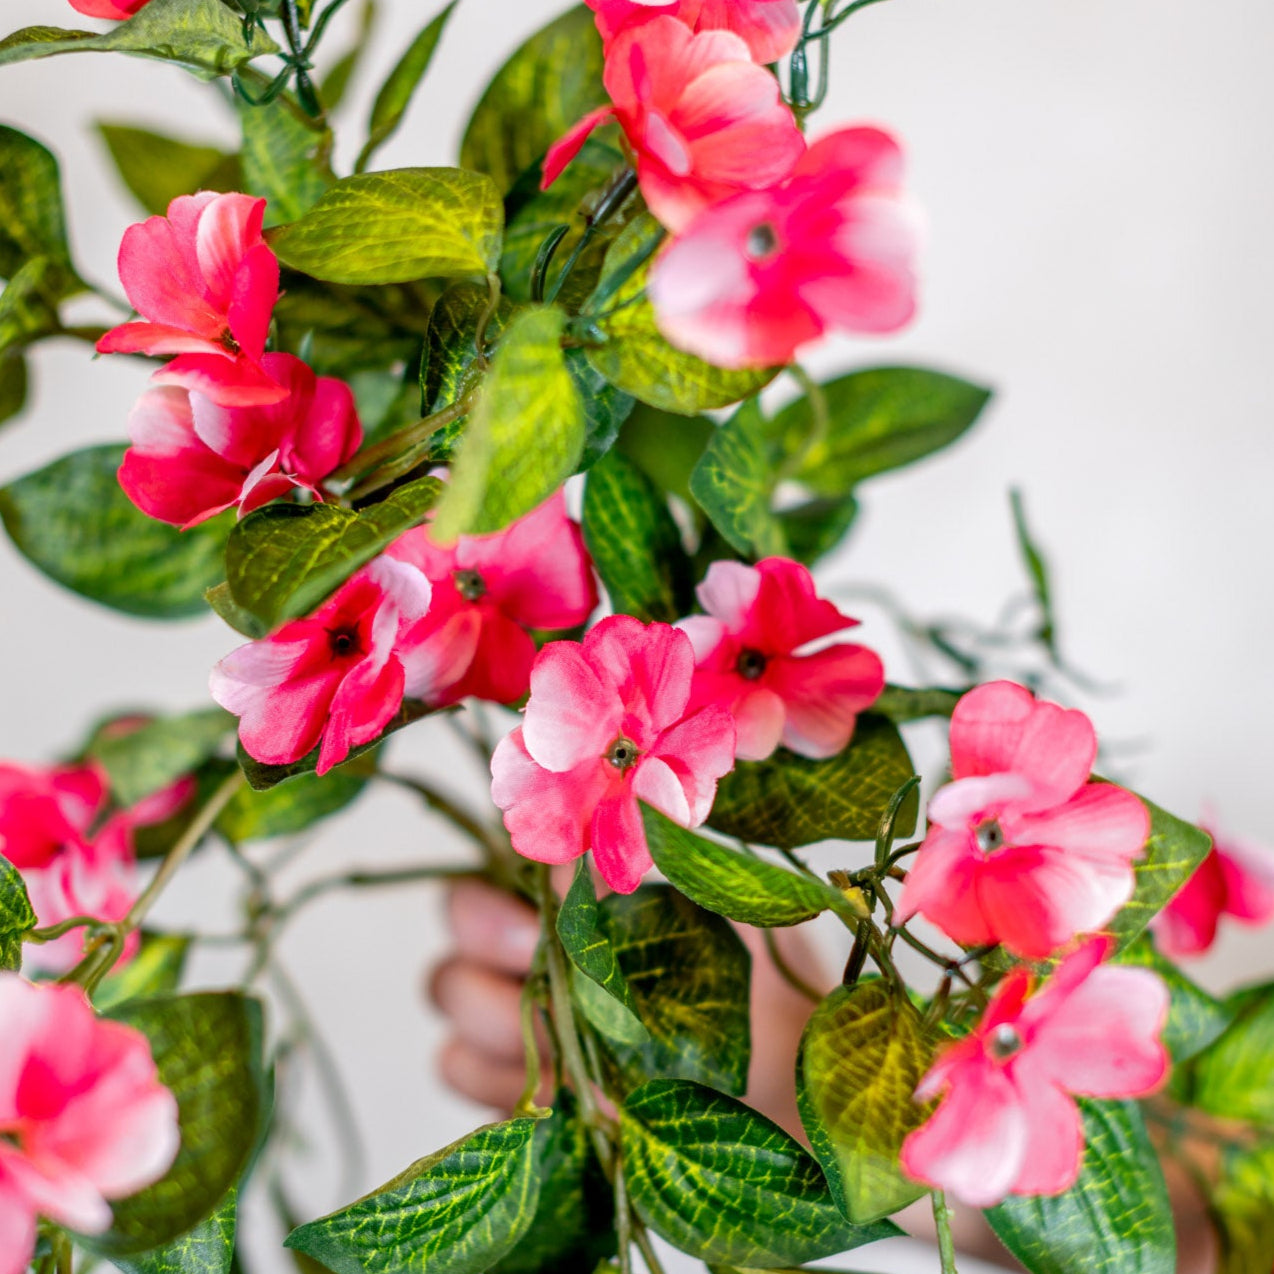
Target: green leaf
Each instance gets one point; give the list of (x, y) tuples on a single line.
[(734, 485), (525, 436), (29, 305), (396, 92), (156, 969), (450, 367), (635, 543), (723, 1183), (791, 800), (284, 560), (336, 82), (573, 1226), (13, 384), (457, 1212), (1241, 1207), (17, 917), (157, 169), (1234, 1077), (815, 528), (292, 807), (879, 419), (32, 221), (634, 356), (1173, 853), (158, 753), (901, 703), (545, 87), (284, 158), (207, 1249), (862, 1054), (738, 886), (689, 974), (605, 408), (208, 1051), (582, 926), (72, 521), (1117, 1218), (1195, 1018), (203, 36), (394, 227), (1037, 568), (666, 447)]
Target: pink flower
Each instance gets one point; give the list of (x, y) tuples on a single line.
[(703, 120), (333, 678), (83, 1116), (114, 9), (488, 590), (192, 458), (1022, 849), (1008, 1123), (205, 284), (753, 655), (752, 279), (769, 27), (609, 724), (1235, 879)]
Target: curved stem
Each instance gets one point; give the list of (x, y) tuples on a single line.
[(785, 970), (946, 1241)]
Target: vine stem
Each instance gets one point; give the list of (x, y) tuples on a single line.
[(946, 1241)]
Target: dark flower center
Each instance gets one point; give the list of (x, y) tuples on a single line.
[(762, 241), (228, 341), (751, 664), (470, 585), (343, 641), (1005, 1042), (989, 836), (622, 754)]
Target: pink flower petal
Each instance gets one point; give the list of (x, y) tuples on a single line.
[(1055, 1148), (571, 143), (655, 783), (760, 716), (650, 667), (699, 750), (251, 304), (229, 228), (618, 841), (572, 716), (162, 282), (728, 593), (233, 382), (823, 694)]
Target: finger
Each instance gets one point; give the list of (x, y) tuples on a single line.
[(480, 1077), (491, 927), (485, 1007)]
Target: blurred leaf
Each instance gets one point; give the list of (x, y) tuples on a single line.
[(1241, 1207), (815, 528), (1037, 569), (393, 227), (525, 436), (203, 36), (284, 158), (160, 752), (13, 385), (1195, 1018), (723, 1183), (295, 806), (156, 969), (207, 1249), (666, 447), (17, 917), (1117, 1218), (863, 1053), (1234, 1077), (552, 80), (336, 82), (396, 92), (72, 520), (901, 703), (32, 222), (635, 544), (285, 560), (29, 305), (157, 169), (457, 1212), (605, 408), (791, 800)]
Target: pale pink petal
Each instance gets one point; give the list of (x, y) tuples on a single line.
[(572, 716), (956, 804), (60, 1192), (1248, 871), (706, 635), (364, 704), (437, 652), (155, 338), (1101, 823), (853, 157), (571, 143), (942, 885), (17, 1216), (655, 783), (761, 718), (650, 666), (500, 670), (229, 228), (823, 694), (155, 267), (728, 593), (699, 750), (618, 842), (233, 382), (1055, 1146), (770, 27)]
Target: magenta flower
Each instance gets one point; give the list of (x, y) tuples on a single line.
[(609, 724), (334, 678), (768, 27), (192, 458), (753, 278), (1022, 849), (754, 660), (114, 9), (1235, 879), (1008, 1123), (83, 1116), (488, 591), (205, 283), (703, 120)]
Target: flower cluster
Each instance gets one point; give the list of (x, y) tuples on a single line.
[(774, 242), (228, 424), (84, 1118)]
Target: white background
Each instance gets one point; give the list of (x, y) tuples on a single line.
[(1099, 195)]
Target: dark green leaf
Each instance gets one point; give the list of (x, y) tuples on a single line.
[(292, 807), (525, 437), (1234, 1078), (723, 1183), (605, 408), (1195, 1018), (689, 974), (157, 169), (878, 420), (284, 158), (396, 92), (450, 366), (284, 560), (634, 356), (156, 969), (545, 87), (32, 222), (208, 1051), (17, 918), (1242, 1208), (13, 384), (207, 1249), (145, 760), (72, 520), (901, 703), (393, 227), (815, 528), (635, 543), (242, 621), (204, 36), (791, 800), (741, 887), (457, 1212), (862, 1055), (29, 305), (1116, 1218), (666, 447)]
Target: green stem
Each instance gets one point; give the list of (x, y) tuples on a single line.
[(623, 1222), (364, 880), (611, 201), (785, 970), (820, 423), (527, 1105), (946, 1242), (647, 1250), (53, 932)]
